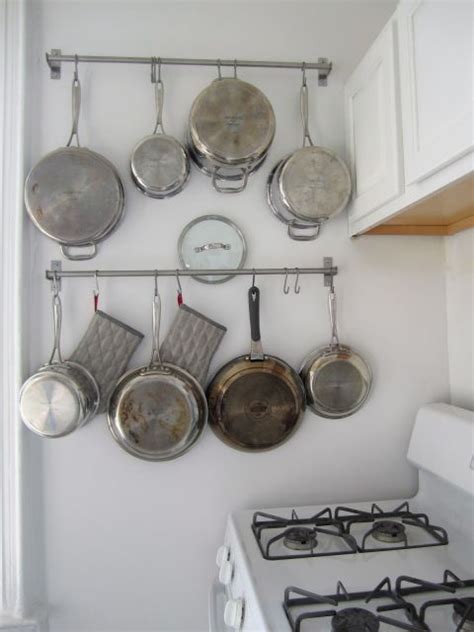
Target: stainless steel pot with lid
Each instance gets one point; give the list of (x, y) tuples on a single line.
[(231, 128), (157, 412), (310, 185), (159, 163), (74, 195), (62, 396)]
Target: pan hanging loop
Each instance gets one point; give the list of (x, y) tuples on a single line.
[(297, 287), (179, 289), (286, 287)]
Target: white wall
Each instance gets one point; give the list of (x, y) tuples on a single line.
[(130, 545), (459, 300)]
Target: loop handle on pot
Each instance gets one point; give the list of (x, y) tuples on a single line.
[(238, 189), (309, 233), (332, 316), (159, 98), (90, 255), (256, 349), (304, 110), (76, 106), (57, 320), (155, 360)]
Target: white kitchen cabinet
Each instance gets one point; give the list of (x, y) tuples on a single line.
[(373, 126), (409, 121)]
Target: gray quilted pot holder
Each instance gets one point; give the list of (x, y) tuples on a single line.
[(192, 342), (105, 350)]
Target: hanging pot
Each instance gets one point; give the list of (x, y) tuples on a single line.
[(231, 128), (157, 412), (159, 163), (336, 378), (62, 396), (256, 402), (74, 195), (311, 185)]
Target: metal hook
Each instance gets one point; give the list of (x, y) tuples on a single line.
[(253, 277), (303, 68), (153, 69), (96, 292), (219, 69), (55, 284), (76, 64), (156, 283), (297, 287), (235, 69), (159, 69), (286, 287)]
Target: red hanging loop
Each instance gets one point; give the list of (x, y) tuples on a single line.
[(179, 290)]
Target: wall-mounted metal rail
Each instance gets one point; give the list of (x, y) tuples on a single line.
[(328, 270), (55, 58)]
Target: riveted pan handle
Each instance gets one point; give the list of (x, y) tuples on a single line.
[(256, 349), (304, 114), (332, 316), (155, 360), (57, 320), (237, 189), (76, 107), (159, 99)]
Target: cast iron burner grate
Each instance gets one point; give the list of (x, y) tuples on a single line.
[(353, 619)]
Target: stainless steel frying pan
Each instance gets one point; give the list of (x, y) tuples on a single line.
[(336, 378), (157, 412), (75, 195)]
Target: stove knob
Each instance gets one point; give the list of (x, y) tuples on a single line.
[(234, 613), (225, 573), (223, 554)]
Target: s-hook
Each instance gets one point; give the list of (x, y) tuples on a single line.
[(95, 291), (286, 287), (297, 287)]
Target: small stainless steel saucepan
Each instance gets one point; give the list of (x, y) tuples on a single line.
[(336, 378), (157, 412), (159, 163), (62, 396)]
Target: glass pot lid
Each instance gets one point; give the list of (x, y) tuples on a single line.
[(209, 242)]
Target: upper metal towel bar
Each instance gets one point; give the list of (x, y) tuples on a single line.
[(55, 58)]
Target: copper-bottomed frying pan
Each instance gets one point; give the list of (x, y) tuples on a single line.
[(256, 402)]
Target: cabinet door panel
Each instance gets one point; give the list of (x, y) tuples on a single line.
[(372, 125), (436, 81)]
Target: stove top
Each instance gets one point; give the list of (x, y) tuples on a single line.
[(409, 604), (344, 530)]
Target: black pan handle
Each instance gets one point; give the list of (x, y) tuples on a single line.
[(256, 350)]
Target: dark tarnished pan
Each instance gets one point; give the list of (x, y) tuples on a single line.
[(157, 412), (337, 380), (74, 195), (256, 402)]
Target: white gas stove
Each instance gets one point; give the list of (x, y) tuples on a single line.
[(362, 567)]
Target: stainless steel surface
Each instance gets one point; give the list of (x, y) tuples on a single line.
[(256, 402), (61, 396), (159, 163), (226, 246), (336, 378), (55, 58), (74, 195), (231, 128), (157, 412)]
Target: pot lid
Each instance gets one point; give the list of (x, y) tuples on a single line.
[(314, 183), (232, 120), (212, 241)]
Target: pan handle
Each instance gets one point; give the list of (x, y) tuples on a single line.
[(236, 189), (256, 349), (309, 233), (159, 98), (155, 360), (304, 114), (332, 317), (76, 108), (90, 255), (57, 320)]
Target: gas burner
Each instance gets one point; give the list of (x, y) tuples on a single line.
[(300, 539), (355, 620), (464, 608), (389, 531)]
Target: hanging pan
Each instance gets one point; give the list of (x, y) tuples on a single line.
[(157, 412), (337, 380), (256, 402), (309, 186), (74, 195), (159, 163)]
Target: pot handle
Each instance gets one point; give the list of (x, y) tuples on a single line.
[(66, 253), (76, 107), (332, 317), (221, 189), (256, 349), (309, 234), (57, 320)]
